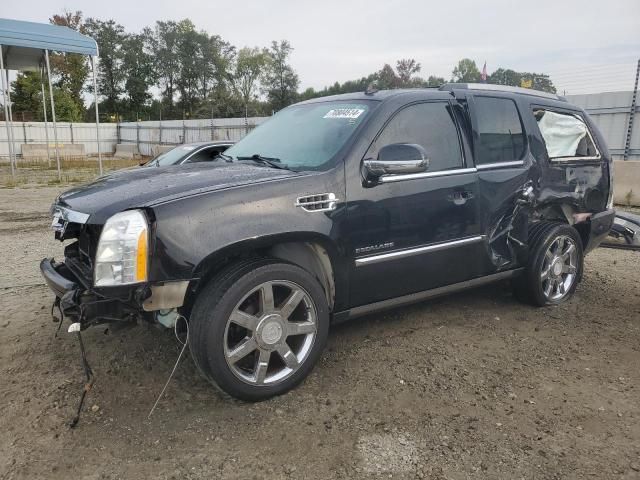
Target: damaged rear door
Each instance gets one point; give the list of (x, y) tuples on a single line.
[(504, 177)]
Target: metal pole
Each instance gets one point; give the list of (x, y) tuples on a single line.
[(44, 108), (632, 114), (6, 112), (94, 60), (12, 136), (53, 114)]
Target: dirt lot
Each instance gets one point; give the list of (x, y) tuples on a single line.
[(471, 386)]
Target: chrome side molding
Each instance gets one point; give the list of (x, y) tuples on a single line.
[(413, 176), (416, 251)]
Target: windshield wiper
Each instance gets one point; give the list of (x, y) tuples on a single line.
[(267, 161), (226, 158)]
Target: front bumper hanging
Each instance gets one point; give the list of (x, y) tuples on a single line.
[(89, 306)]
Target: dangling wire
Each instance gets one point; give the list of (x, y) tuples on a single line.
[(184, 347), (60, 318)]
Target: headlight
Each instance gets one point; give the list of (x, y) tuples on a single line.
[(121, 258)]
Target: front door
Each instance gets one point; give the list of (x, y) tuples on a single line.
[(414, 232)]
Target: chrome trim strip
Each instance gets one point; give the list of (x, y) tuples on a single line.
[(416, 251), (70, 215), (573, 159), (413, 176), (427, 294), (489, 87), (487, 166)]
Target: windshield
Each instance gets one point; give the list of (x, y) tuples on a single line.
[(171, 157), (304, 137)]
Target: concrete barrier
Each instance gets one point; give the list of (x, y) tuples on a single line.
[(126, 150), (626, 182), (38, 151), (158, 149)]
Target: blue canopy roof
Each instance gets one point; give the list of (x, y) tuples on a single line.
[(23, 43)]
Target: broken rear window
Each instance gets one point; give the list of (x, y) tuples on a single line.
[(566, 135)]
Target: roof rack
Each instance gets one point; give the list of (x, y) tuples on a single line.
[(499, 88)]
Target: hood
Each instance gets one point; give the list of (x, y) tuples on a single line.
[(143, 187)]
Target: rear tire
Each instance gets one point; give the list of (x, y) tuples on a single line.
[(554, 267), (258, 328)]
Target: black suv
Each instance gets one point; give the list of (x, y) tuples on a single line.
[(334, 208)]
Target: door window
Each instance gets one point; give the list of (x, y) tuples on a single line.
[(565, 135), (501, 137), (429, 125), (204, 155)]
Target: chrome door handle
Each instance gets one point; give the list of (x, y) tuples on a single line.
[(461, 197)]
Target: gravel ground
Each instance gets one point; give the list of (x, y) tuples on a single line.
[(475, 385)]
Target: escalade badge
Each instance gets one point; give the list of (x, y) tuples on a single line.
[(373, 248)]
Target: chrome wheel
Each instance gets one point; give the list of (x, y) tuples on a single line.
[(270, 332), (559, 268)]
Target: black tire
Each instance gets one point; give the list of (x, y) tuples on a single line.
[(529, 287), (214, 306)]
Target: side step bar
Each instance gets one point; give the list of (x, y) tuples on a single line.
[(424, 295)]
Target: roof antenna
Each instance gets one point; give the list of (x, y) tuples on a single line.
[(371, 88)]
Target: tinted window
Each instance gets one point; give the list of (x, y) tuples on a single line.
[(501, 137), (204, 155), (172, 156), (431, 126)]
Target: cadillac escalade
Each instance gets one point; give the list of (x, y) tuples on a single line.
[(334, 208)]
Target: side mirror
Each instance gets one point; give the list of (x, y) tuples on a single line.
[(397, 159)]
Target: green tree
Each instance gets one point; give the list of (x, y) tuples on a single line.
[(538, 81), (26, 96), (70, 69), (163, 43), (434, 81), (466, 71), (280, 80), (137, 68), (406, 68), (189, 49), (387, 78), (249, 64), (67, 108), (504, 76), (110, 38), (217, 57)]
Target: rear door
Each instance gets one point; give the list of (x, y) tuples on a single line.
[(503, 162), (414, 232)]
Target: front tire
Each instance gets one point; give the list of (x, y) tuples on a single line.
[(554, 267), (257, 329)]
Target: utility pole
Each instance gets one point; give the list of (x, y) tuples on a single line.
[(632, 114)]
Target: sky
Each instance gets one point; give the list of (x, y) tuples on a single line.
[(585, 45)]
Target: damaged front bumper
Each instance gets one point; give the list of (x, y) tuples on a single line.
[(91, 306), (154, 303)]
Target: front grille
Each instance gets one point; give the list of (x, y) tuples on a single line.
[(84, 250)]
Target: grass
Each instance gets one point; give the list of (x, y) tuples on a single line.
[(74, 170)]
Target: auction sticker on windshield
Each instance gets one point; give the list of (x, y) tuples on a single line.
[(344, 113)]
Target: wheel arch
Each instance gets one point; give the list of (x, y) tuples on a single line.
[(313, 252), (566, 213)]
